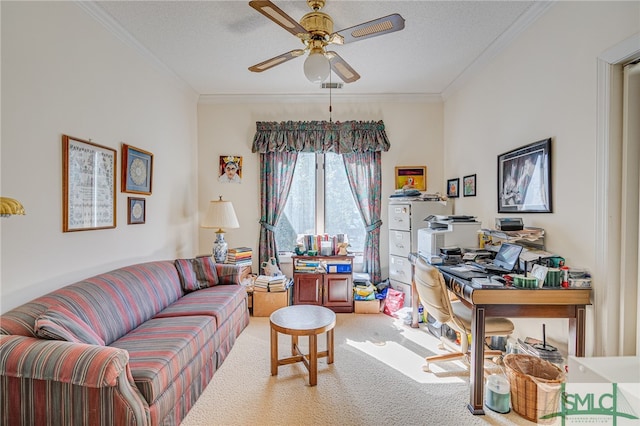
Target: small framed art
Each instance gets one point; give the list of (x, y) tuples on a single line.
[(453, 187), (411, 177), (230, 169), (88, 185), (469, 186), (137, 211), (137, 170)]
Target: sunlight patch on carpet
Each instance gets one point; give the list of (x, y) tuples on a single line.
[(402, 360)]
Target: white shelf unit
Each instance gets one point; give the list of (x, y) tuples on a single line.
[(405, 218)]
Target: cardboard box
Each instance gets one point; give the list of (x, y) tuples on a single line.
[(265, 303), (367, 306)]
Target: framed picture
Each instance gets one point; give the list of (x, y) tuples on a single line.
[(137, 170), (469, 186), (453, 188), (137, 210), (411, 177), (230, 169), (524, 179), (88, 185)]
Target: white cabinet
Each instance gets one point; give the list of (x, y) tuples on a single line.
[(405, 218)]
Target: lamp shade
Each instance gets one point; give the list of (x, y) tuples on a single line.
[(220, 214)]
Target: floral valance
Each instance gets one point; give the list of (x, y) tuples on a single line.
[(320, 136)]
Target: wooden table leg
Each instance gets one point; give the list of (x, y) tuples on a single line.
[(313, 359), (274, 352), (476, 373), (330, 346), (294, 344), (577, 332)]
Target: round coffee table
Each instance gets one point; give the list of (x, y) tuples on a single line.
[(302, 320)]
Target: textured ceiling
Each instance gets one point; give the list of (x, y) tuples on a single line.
[(210, 44)]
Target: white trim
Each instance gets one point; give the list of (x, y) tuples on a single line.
[(99, 14), (319, 98), (607, 197), (505, 39)]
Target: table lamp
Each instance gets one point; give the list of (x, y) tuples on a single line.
[(220, 214)]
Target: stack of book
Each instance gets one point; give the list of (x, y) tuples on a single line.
[(271, 284), (239, 256), (307, 265)]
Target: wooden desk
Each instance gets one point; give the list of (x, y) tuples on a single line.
[(511, 302)]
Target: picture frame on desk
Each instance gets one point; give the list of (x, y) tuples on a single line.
[(524, 179)]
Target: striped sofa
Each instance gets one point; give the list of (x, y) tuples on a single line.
[(134, 346)]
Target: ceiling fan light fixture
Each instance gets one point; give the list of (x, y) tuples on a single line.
[(317, 67)]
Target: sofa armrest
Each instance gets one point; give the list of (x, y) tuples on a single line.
[(231, 274), (61, 361)]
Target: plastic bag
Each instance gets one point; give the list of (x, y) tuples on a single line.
[(393, 302)]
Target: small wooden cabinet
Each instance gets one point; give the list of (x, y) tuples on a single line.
[(332, 290)]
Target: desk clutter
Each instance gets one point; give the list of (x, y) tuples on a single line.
[(458, 245)]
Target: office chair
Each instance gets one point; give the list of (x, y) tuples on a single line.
[(434, 296)]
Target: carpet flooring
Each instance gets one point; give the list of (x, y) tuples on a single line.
[(376, 379)]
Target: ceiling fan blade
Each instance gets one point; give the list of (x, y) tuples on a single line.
[(343, 69), (277, 60), (380, 26), (276, 14)]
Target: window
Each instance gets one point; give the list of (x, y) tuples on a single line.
[(320, 203)]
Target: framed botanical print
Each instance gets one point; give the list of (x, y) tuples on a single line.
[(137, 170), (136, 210), (453, 188), (88, 185)]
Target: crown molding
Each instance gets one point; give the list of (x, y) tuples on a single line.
[(320, 98), (99, 14), (525, 20)]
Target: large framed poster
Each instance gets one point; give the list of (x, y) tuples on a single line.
[(88, 185), (524, 179)]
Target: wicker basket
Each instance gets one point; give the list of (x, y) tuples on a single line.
[(535, 386)]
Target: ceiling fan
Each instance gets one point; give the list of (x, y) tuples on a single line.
[(315, 30)]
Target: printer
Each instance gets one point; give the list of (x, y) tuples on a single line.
[(451, 233)]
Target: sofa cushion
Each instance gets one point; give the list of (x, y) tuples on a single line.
[(58, 323), (197, 273), (112, 304), (161, 348), (229, 273), (219, 301)]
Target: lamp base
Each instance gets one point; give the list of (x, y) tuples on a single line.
[(220, 248)]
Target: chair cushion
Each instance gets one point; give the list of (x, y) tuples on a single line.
[(58, 323), (197, 273), (492, 325)]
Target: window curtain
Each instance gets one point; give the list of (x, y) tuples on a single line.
[(364, 174), (276, 175), (360, 144)]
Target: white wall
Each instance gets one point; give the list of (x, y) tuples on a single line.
[(414, 130), (63, 73), (543, 85)]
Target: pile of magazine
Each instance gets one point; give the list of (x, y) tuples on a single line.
[(537, 348)]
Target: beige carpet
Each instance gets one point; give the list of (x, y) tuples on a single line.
[(376, 379)]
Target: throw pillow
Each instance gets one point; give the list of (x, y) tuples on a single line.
[(197, 273), (59, 323)]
